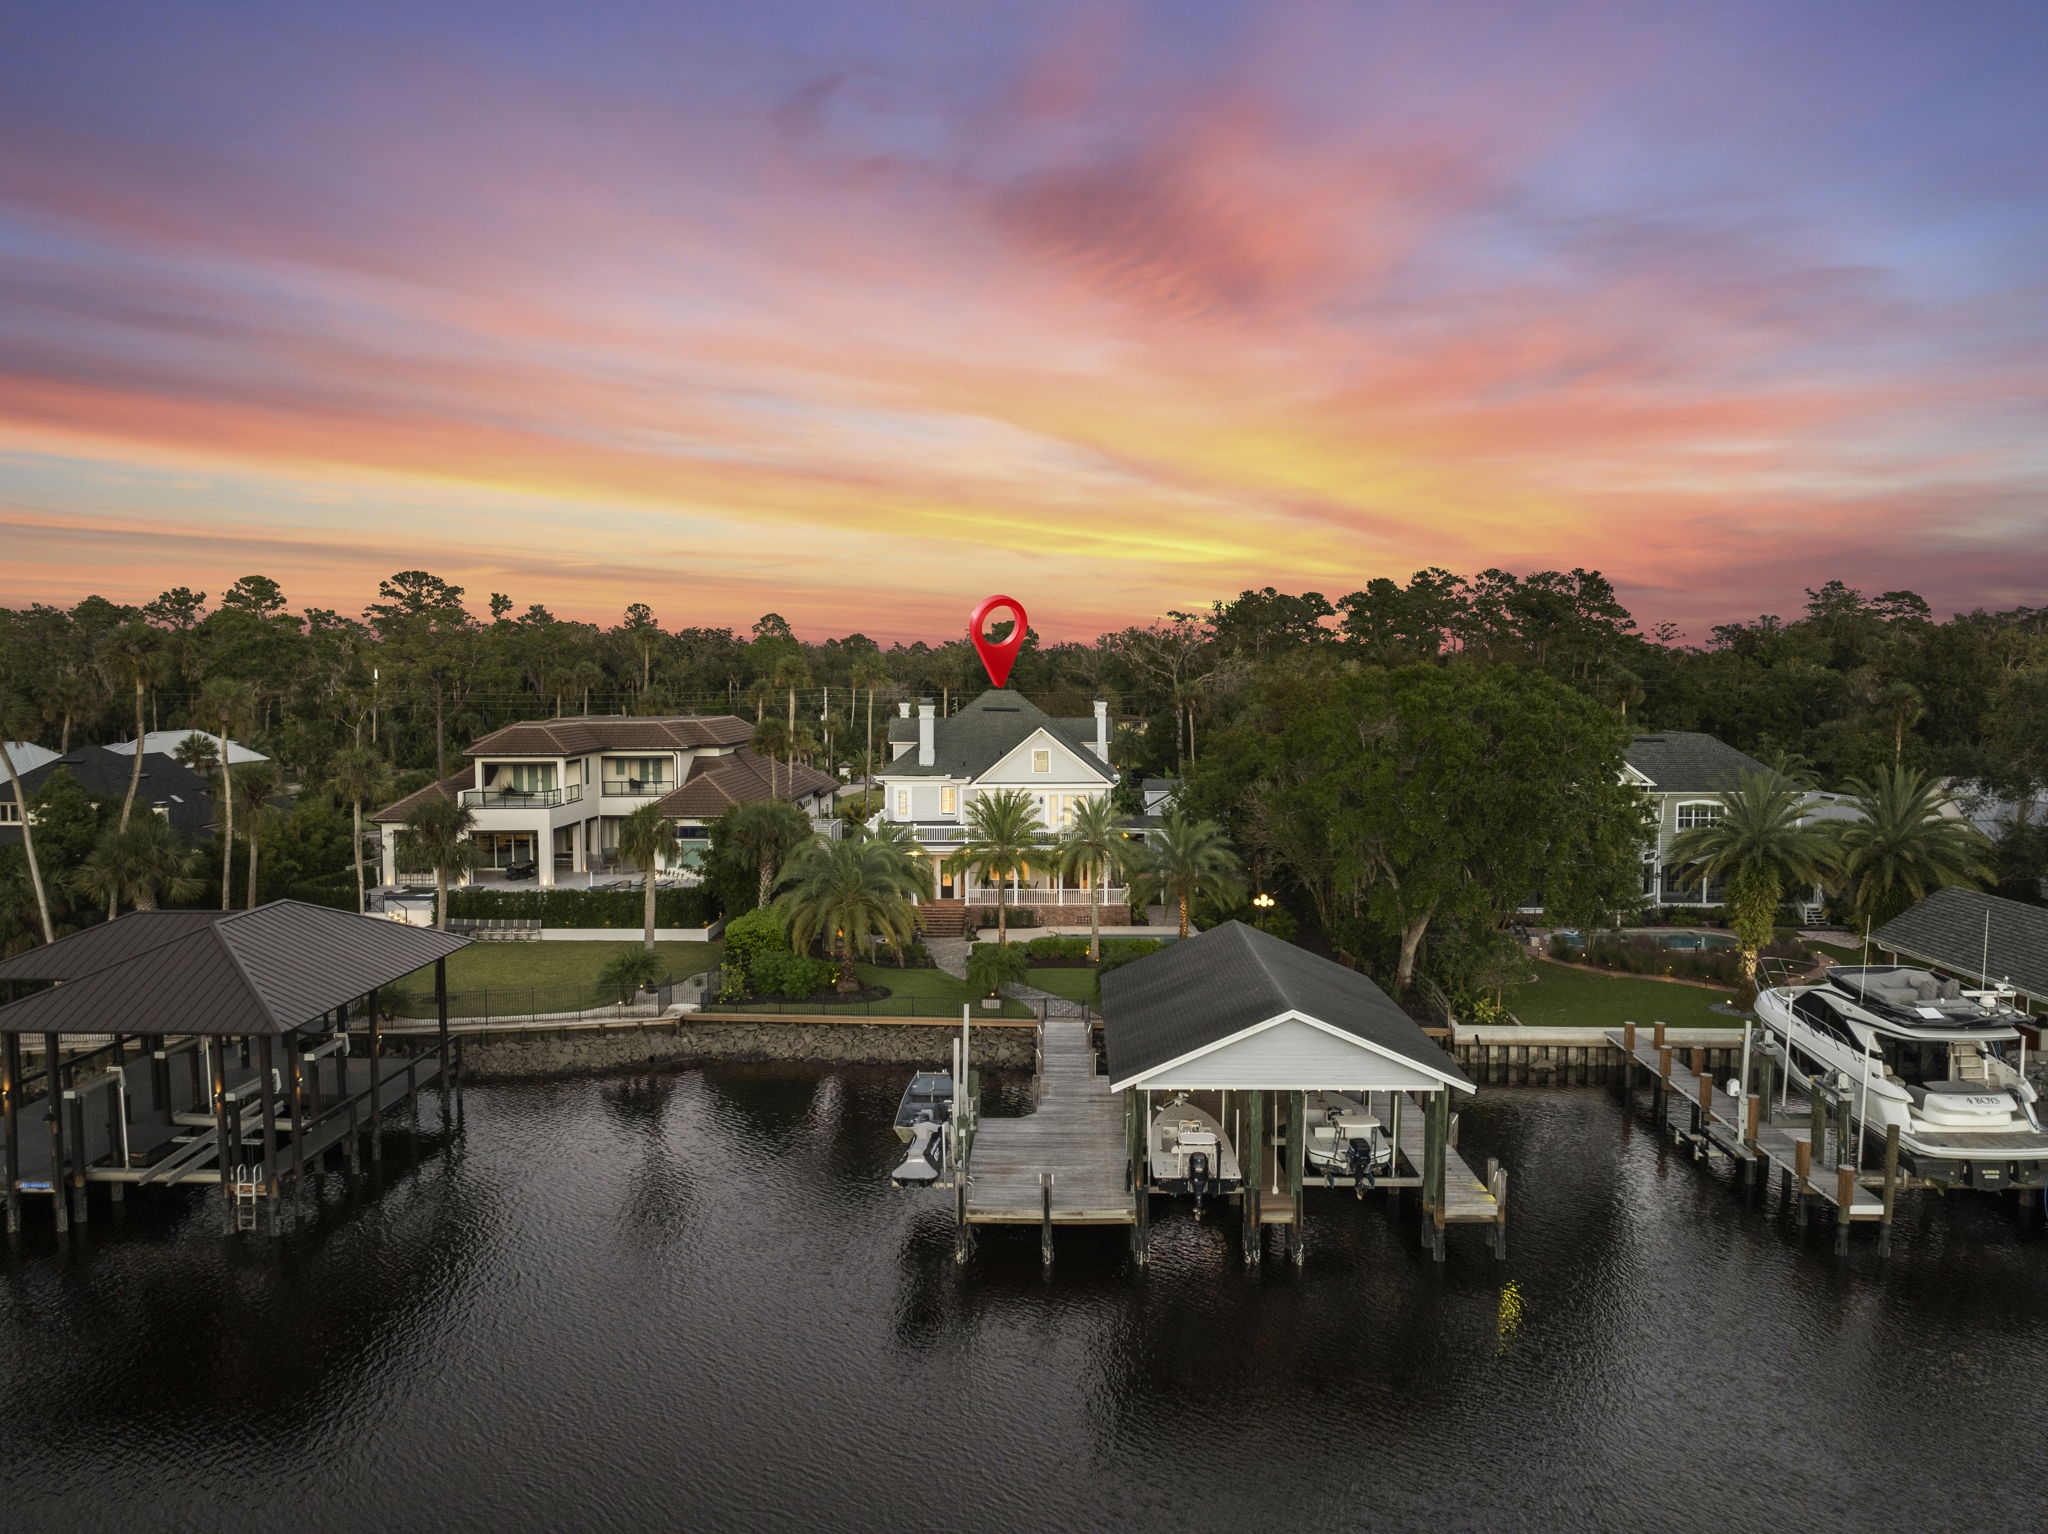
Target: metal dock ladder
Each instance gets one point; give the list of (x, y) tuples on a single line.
[(248, 1188)]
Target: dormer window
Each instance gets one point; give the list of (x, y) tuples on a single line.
[(1041, 761)]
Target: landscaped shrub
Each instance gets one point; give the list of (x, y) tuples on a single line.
[(631, 971), (1057, 948), (990, 966), (913, 955), (1020, 916), (1648, 956), (747, 939), (778, 972), (583, 908), (1122, 950), (337, 891)]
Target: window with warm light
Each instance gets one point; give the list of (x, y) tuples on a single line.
[(902, 804), (949, 801), (1041, 761)]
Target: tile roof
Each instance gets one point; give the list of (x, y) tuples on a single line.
[(1949, 929), (1202, 990), (716, 783), (1684, 761), (268, 971), (969, 742), (574, 737), (447, 788)]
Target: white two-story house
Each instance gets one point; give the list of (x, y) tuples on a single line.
[(548, 795), (999, 741)]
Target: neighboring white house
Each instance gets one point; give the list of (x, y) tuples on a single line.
[(167, 743), (1001, 740), (548, 794)]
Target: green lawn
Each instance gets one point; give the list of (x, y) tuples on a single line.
[(494, 978), (1074, 984), (1572, 998), (932, 990)]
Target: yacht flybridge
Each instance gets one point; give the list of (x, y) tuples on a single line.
[(1943, 1063)]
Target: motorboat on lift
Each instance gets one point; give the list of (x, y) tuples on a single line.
[(921, 1120), (1345, 1139), (1190, 1152), (1908, 1048)]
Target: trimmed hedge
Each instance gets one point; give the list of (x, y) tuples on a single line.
[(1121, 949), (584, 908), (336, 892)]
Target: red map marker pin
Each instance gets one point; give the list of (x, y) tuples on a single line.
[(997, 658)]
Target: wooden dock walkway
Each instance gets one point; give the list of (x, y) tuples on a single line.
[(1077, 1134), (1776, 1138), (1468, 1200)]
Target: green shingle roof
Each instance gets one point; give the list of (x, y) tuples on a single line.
[(971, 741)]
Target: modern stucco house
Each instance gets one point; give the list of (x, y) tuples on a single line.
[(548, 794), (1002, 740)]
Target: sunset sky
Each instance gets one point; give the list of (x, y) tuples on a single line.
[(861, 311)]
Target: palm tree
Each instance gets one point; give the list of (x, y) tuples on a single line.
[(1003, 835), (647, 838), (759, 691), (134, 654), (140, 863), (850, 891), (70, 695), (773, 740), (14, 726), (1758, 847), (227, 705), (439, 832), (260, 790), (791, 673), (763, 833), (871, 673), (1905, 845), (1093, 848), (1185, 858), (359, 776)]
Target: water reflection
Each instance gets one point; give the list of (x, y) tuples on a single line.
[(690, 1299)]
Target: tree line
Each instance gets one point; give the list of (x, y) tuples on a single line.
[(1547, 672)]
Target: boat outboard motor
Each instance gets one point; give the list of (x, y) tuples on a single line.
[(1361, 1165), (1198, 1178)]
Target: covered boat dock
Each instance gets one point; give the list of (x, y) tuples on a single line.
[(1250, 1027), (207, 1047)]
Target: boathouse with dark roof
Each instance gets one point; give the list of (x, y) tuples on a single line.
[(1249, 1027), (1980, 937), (208, 1048)]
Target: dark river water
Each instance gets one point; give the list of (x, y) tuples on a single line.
[(691, 1301)]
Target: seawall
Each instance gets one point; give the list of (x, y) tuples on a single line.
[(509, 1054)]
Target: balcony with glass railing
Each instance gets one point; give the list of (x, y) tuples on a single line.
[(519, 798), (636, 788)]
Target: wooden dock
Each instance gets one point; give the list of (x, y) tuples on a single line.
[(1468, 1199), (1077, 1137), (1786, 1134)]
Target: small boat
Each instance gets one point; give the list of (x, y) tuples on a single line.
[(928, 1099), (1190, 1153), (1345, 1139), (926, 1161), (921, 1121)]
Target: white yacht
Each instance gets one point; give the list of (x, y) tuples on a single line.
[(1345, 1139), (1189, 1152), (1943, 1063)]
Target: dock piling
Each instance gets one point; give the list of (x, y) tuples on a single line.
[(1045, 1218), (10, 1126), (1891, 1189)]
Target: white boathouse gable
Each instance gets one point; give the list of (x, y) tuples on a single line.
[(1291, 1052)]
